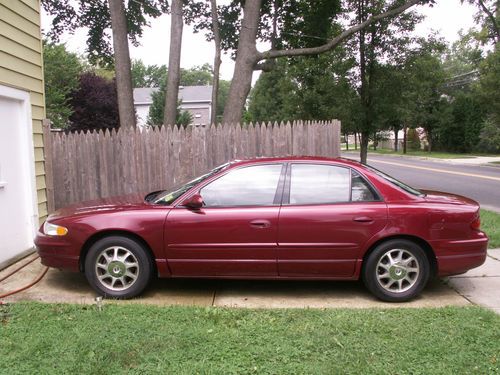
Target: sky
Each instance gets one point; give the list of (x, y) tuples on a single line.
[(447, 17)]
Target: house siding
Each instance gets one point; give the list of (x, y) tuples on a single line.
[(21, 66)]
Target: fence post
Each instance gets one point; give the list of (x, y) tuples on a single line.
[(49, 174)]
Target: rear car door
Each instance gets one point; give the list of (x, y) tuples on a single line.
[(329, 212), (235, 232)]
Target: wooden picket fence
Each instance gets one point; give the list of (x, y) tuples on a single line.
[(86, 166)]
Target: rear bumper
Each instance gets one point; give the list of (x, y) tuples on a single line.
[(57, 253), (456, 257)]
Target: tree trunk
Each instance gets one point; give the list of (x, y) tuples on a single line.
[(346, 141), (356, 141), (429, 139), (396, 131), (217, 61), (365, 136), (174, 64), (363, 89), (122, 64), (246, 58), (404, 139)]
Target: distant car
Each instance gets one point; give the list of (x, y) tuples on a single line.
[(271, 218)]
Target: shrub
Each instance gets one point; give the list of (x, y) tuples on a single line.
[(412, 140), (489, 139)]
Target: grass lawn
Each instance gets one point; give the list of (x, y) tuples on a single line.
[(49, 338), (490, 223)]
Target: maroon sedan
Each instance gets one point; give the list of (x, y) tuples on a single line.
[(271, 218)]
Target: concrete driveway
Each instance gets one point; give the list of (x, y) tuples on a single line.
[(66, 287)]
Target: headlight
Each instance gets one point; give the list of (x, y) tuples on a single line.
[(54, 230)]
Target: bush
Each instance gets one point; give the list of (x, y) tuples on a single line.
[(412, 140), (95, 104), (489, 139)]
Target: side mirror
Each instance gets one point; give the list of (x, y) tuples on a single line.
[(195, 202)]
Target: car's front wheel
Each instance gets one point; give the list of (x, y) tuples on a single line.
[(118, 267), (396, 270)]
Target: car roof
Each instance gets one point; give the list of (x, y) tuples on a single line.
[(266, 159)]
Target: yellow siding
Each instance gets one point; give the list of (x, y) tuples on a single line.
[(18, 21), (27, 12), (16, 79), (21, 66), (14, 63), (37, 112), (40, 182), (33, 4), (39, 168), (38, 99), (37, 126), (22, 52), (39, 154), (38, 141), (19, 36)]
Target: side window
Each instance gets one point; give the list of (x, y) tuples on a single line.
[(361, 190), (249, 186), (319, 184)]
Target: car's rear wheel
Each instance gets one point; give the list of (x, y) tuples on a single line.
[(396, 270), (118, 267)]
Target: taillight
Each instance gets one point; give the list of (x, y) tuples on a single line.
[(476, 223)]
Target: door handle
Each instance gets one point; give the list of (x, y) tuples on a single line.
[(363, 219), (260, 223)]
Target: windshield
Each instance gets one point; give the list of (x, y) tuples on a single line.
[(393, 181), (167, 197)]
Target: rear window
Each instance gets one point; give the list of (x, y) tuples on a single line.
[(396, 182)]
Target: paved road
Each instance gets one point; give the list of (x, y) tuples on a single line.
[(478, 182)]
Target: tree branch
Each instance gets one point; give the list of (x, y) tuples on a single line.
[(272, 54), (492, 19)]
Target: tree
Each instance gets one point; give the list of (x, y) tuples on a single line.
[(460, 131), (94, 17), (463, 57), (272, 96), (97, 17), (148, 75), (174, 63), (94, 104), (61, 72), (197, 76), (426, 76), (248, 57), (489, 82), (222, 94), (156, 115), (487, 18), (489, 139), (122, 63), (217, 59)]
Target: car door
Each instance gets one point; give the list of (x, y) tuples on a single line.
[(329, 212), (235, 232)]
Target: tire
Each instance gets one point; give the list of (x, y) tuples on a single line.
[(118, 267), (396, 270)]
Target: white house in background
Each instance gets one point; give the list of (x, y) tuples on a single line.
[(195, 99)]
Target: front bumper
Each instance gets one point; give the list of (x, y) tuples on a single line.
[(56, 252)]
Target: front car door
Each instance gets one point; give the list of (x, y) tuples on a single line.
[(329, 212), (235, 232)]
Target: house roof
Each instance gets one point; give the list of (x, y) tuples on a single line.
[(188, 94), (142, 95), (195, 93)]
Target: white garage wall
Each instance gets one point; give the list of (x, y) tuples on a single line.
[(18, 200)]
